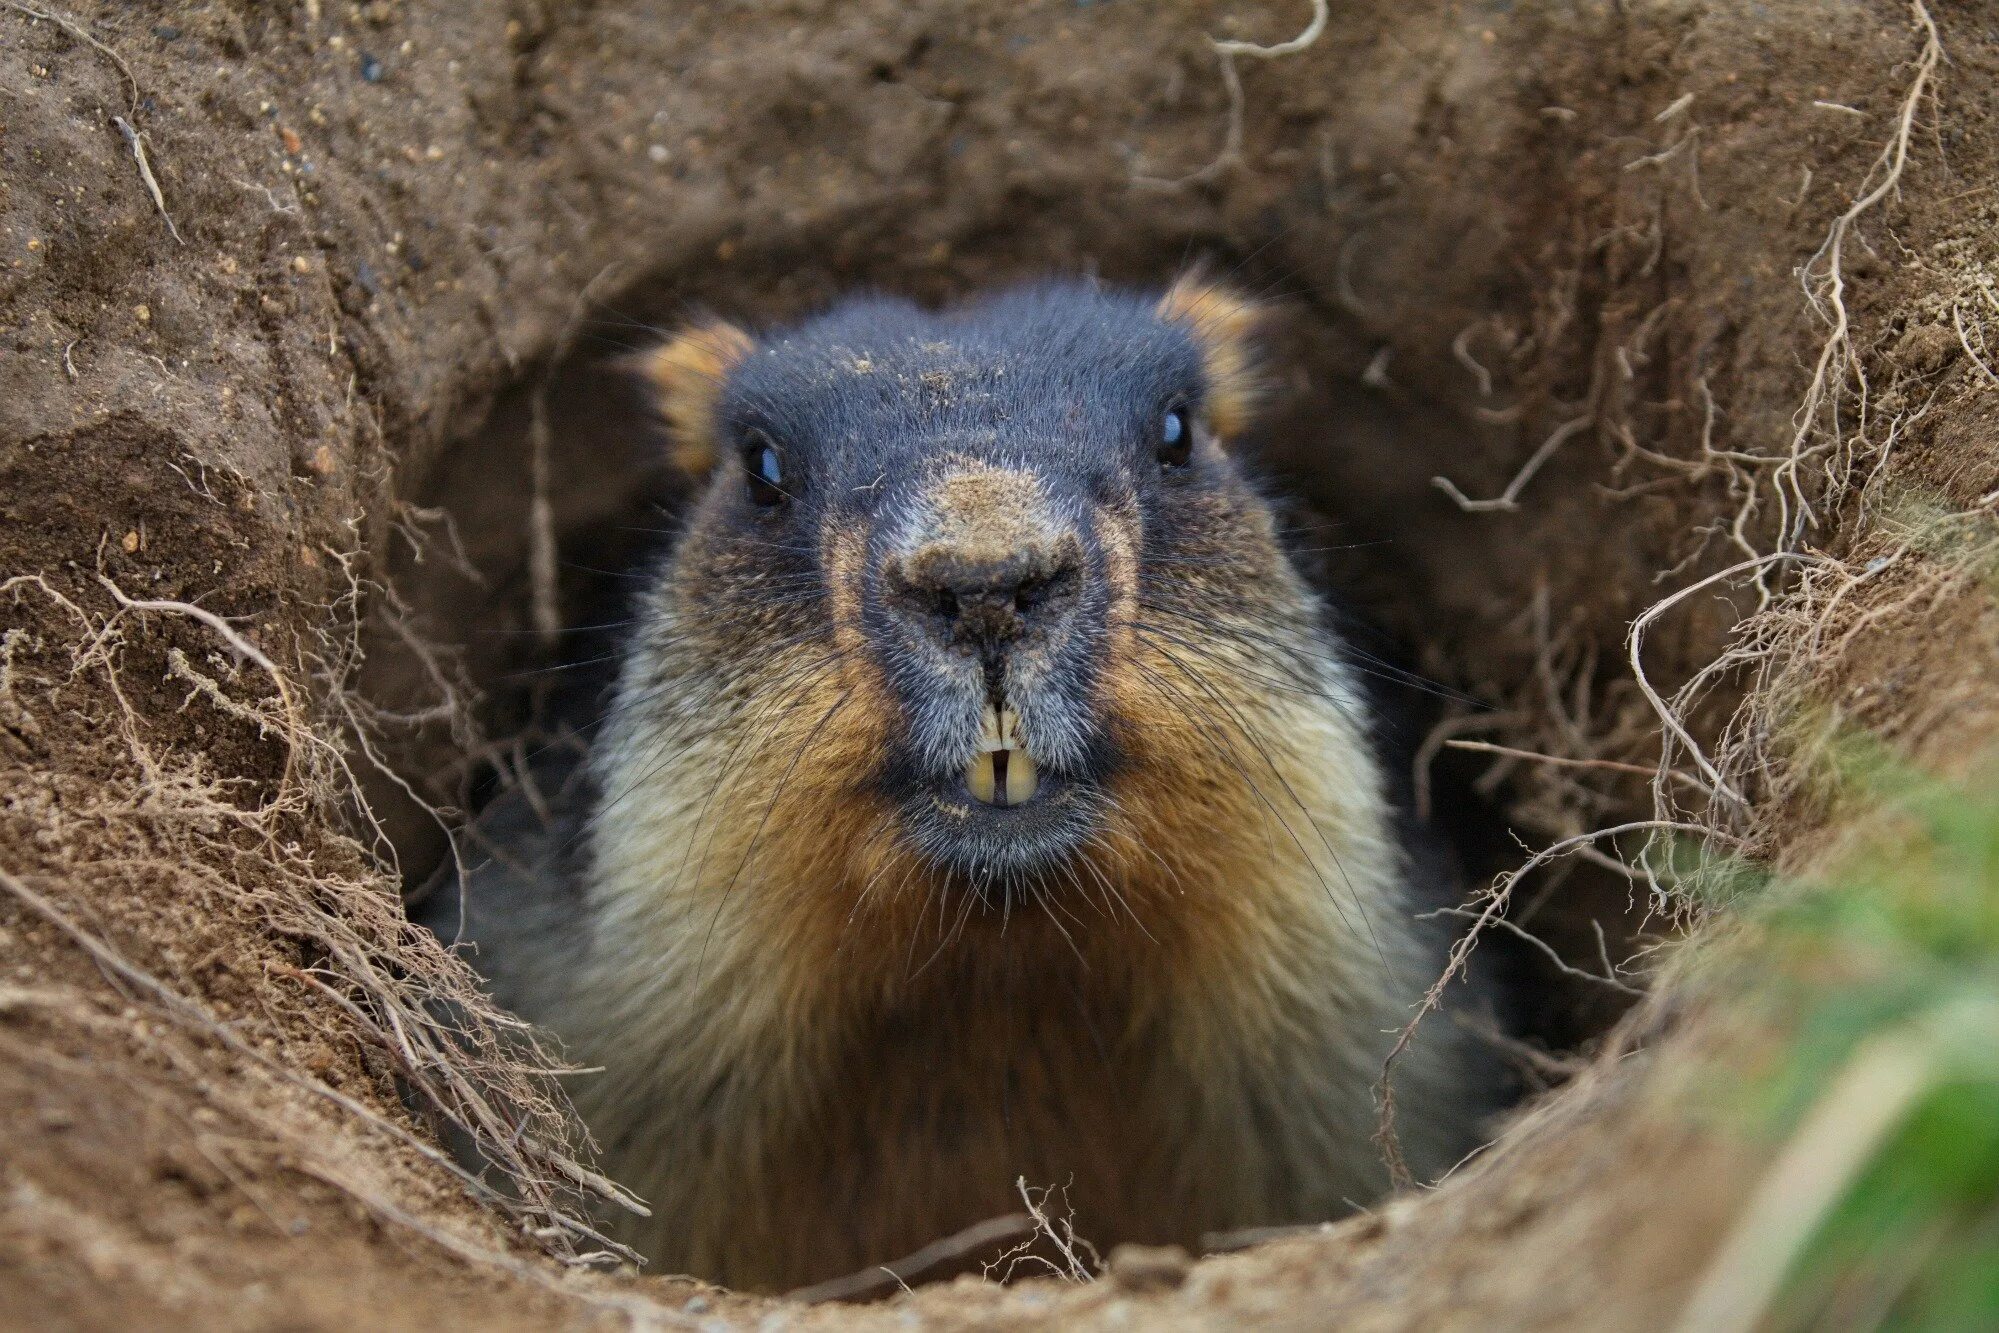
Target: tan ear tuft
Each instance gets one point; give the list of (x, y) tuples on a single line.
[(1223, 323), (687, 373)]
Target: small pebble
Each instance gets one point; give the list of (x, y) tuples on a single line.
[(1925, 348), (371, 68)]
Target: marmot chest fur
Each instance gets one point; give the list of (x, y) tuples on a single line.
[(984, 797)]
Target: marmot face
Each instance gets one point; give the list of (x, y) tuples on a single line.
[(996, 561)]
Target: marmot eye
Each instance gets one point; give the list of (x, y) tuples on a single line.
[(1176, 438), (763, 467)]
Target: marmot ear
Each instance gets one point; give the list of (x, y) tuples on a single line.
[(1224, 324), (687, 373)]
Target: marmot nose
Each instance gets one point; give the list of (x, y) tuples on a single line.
[(983, 600)]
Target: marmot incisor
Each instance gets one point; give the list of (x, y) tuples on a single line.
[(984, 795)]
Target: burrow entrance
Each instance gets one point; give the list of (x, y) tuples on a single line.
[(1516, 374), (1550, 254), (1466, 620)]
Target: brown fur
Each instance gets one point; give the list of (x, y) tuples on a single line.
[(820, 1052), (827, 1018)]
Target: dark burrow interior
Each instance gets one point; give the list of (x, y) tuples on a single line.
[(466, 679)]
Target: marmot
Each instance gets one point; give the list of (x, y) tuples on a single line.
[(984, 795)]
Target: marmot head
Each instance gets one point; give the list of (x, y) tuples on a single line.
[(991, 577)]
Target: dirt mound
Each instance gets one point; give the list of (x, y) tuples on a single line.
[(1659, 313)]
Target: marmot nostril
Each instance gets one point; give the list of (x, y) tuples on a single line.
[(983, 600)]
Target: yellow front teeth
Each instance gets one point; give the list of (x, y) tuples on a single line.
[(1002, 773)]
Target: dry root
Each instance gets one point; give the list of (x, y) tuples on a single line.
[(1053, 1248), (169, 831), (1776, 501)]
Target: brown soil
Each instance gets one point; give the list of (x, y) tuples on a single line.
[(396, 225)]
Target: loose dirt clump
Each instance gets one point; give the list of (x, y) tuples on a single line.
[(1595, 316)]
